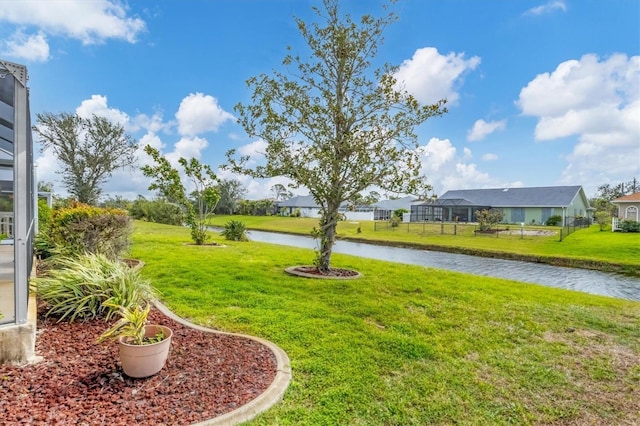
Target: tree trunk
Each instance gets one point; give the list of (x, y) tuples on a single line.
[(328, 224)]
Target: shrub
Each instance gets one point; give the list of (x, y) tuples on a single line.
[(90, 286), (399, 212), (395, 221), (603, 218), (44, 215), (581, 221), (554, 220), (630, 226), (158, 211), (235, 230), (80, 229)]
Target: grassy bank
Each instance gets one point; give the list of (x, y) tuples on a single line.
[(586, 248), (408, 345)]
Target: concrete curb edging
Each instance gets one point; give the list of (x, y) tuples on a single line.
[(266, 399)]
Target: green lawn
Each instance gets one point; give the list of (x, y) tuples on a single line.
[(586, 245), (407, 345)]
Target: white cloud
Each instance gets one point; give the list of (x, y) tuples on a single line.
[(187, 148), (445, 169), (97, 105), (481, 129), (430, 76), (199, 113), (547, 8), (490, 157), (254, 150), (596, 101), (91, 22), (153, 123), (30, 47)]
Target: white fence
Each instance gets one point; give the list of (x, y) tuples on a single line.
[(6, 223), (615, 224)]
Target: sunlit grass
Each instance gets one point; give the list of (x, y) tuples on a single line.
[(585, 244), (405, 344)]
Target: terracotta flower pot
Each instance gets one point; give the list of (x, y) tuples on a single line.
[(145, 360)]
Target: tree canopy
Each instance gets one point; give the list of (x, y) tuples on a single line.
[(231, 192), (332, 123), (89, 150)]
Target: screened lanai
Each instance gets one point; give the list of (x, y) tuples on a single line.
[(17, 198)]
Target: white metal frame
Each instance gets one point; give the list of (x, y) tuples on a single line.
[(24, 208)]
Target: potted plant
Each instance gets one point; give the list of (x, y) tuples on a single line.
[(143, 347)]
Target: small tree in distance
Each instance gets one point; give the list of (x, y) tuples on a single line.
[(603, 218), (280, 192), (488, 218), (166, 180), (334, 125)]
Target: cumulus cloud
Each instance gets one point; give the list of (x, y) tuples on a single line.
[(446, 169), (254, 150), (29, 47), (97, 105), (598, 102), (548, 7), (482, 129), (199, 113), (430, 76), (152, 123), (490, 157), (91, 22), (187, 148)]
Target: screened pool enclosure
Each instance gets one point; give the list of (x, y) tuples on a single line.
[(17, 204)]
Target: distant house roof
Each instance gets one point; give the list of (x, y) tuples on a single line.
[(548, 196), (400, 203), (299, 201), (631, 198)]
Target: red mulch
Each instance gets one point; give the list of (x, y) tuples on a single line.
[(79, 382), (333, 272)]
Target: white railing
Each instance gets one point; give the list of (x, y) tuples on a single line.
[(6, 223), (615, 224)]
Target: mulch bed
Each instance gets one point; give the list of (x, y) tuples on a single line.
[(314, 272), (79, 382)]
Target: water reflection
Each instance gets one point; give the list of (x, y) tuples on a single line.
[(594, 282)]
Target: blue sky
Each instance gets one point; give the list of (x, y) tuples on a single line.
[(541, 93)]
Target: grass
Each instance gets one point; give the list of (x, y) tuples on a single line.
[(407, 345), (585, 245)]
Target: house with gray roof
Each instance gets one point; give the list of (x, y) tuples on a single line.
[(305, 204), (519, 205), (383, 209)]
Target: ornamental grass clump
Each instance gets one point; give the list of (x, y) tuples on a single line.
[(234, 230), (91, 286)]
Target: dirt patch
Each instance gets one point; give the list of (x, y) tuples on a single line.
[(530, 232), (604, 375), (80, 382)]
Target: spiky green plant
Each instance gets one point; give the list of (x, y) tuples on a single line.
[(91, 286), (130, 325), (235, 230)]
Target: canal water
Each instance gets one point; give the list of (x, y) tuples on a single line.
[(594, 282)]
